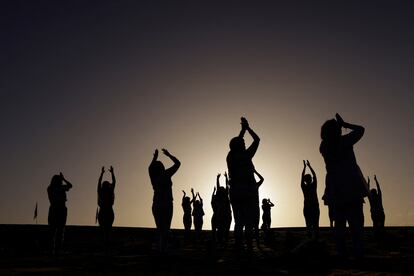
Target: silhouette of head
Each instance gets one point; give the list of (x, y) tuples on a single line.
[(307, 178), (186, 200), (237, 144), (374, 192), (56, 180), (264, 201), (221, 191), (156, 169), (106, 185), (330, 130)]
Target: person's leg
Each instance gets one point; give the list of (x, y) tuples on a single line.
[(249, 212), (167, 218), (316, 223), (238, 221), (339, 229), (214, 228), (308, 221), (157, 213), (356, 225)]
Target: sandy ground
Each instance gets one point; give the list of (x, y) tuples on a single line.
[(24, 249)]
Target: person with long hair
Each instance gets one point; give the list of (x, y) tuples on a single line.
[(242, 184), (345, 186), (187, 220), (106, 198), (377, 209), (311, 210), (162, 203), (58, 212)]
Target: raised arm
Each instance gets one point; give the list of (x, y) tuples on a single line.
[(261, 179), (218, 181), (244, 126), (227, 181), (173, 169), (100, 178), (303, 174), (378, 186), (68, 185), (270, 203), (357, 131), (201, 200), (183, 194), (111, 169), (155, 156), (255, 144), (315, 181), (192, 192)]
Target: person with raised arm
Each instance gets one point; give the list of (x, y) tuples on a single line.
[(215, 205), (256, 209), (58, 212), (242, 184), (162, 203), (198, 214), (225, 217), (266, 216), (106, 197), (377, 209), (311, 210), (345, 186), (187, 220)]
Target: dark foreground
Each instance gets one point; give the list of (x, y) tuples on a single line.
[(24, 249)]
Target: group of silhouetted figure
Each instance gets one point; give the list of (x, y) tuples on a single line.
[(345, 190)]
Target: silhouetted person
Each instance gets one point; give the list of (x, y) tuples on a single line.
[(266, 216), (198, 214), (256, 209), (214, 206), (186, 204), (222, 213), (345, 186), (162, 203), (106, 197), (56, 192), (377, 210), (311, 211), (242, 184)]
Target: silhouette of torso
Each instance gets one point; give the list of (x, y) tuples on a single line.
[(162, 186), (106, 197), (310, 194), (241, 171), (376, 203), (344, 181), (57, 195)]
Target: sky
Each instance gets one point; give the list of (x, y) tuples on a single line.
[(86, 85)]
